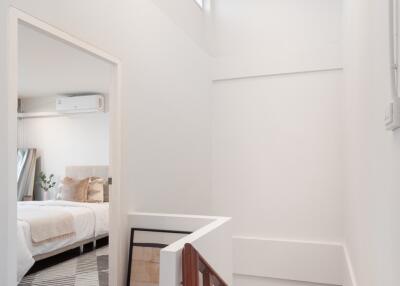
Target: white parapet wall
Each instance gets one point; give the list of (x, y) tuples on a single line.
[(211, 236)]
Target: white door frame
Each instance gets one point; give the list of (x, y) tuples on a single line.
[(15, 17)]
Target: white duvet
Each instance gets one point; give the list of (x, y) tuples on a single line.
[(90, 220)]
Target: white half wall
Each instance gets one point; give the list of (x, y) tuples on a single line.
[(307, 261), (211, 236)]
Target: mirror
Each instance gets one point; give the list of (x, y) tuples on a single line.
[(26, 169)]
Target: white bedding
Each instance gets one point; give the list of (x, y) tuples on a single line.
[(90, 220)]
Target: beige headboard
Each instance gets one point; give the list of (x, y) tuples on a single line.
[(81, 172)]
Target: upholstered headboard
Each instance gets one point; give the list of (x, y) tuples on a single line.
[(82, 172)]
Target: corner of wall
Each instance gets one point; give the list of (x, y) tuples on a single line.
[(349, 275)]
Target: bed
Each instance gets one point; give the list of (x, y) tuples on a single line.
[(90, 222)]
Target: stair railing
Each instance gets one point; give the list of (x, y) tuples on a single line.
[(196, 271)]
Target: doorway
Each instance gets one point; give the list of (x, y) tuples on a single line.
[(20, 21)]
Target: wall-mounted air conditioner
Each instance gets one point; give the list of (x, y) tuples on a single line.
[(80, 104)]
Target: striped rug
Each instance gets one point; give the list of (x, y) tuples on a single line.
[(89, 269)]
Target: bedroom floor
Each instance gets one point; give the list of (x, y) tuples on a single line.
[(89, 269)]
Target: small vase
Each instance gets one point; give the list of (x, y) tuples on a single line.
[(45, 196)]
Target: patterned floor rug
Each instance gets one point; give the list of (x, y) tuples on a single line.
[(89, 269)]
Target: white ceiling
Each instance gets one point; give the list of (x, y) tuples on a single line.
[(48, 66)]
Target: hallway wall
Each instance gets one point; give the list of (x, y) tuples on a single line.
[(373, 154), (278, 136)]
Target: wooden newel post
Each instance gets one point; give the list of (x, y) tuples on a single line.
[(190, 266), (193, 264)]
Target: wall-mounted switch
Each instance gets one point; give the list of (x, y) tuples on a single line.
[(392, 116)]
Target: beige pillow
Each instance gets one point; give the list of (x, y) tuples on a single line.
[(95, 192), (74, 190)]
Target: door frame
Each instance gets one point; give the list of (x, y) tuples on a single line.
[(115, 240)]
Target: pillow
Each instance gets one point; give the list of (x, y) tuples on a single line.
[(74, 190), (95, 192)]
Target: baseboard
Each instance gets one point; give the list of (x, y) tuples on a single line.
[(307, 261), (242, 280)]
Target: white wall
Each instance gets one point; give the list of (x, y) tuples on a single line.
[(373, 154), (48, 67), (189, 17), (81, 140), (259, 37), (278, 130), (277, 157), (7, 208), (165, 94), (166, 120), (166, 100)]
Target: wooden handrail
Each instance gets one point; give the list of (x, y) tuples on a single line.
[(193, 264)]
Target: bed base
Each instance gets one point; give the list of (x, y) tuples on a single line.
[(77, 244)]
